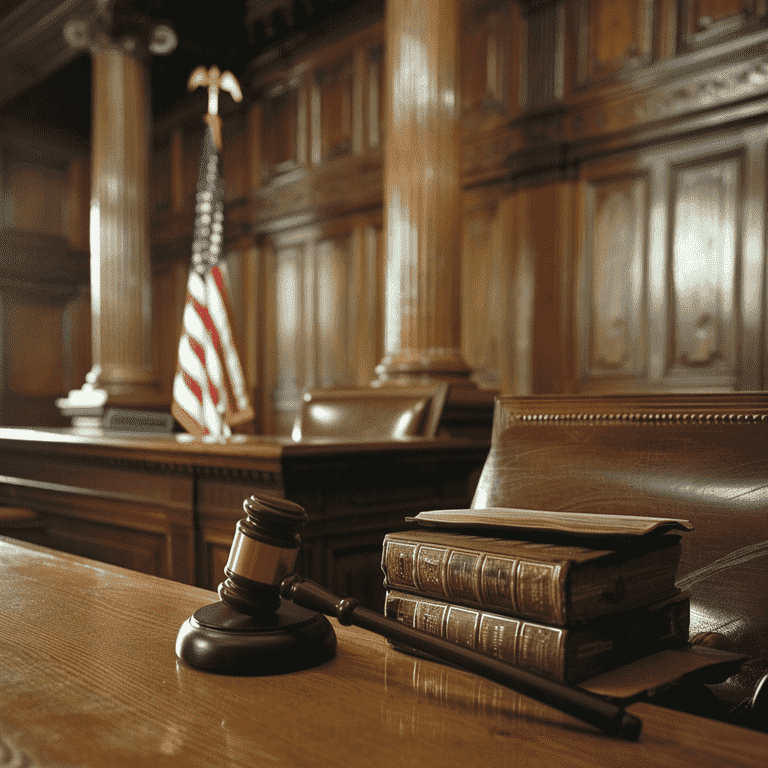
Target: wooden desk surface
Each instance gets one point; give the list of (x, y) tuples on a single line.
[(88, 677), (232, 452)]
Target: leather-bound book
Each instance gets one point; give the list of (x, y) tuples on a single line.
[(567, 654), (553, 575)]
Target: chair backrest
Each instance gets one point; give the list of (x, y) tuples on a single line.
[(703, 458), (371, 413)]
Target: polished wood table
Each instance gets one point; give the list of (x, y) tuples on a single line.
[(88, 677)]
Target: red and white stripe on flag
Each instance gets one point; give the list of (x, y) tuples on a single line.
[(209, 393)]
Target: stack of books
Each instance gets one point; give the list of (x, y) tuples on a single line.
[(567, 595)]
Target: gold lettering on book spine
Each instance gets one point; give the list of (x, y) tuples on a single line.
[(462, 625), (538, 591), (498, 583), (499, 637), (430, 617), (398, 561), (462, 575), (542, 648), (429, 570)]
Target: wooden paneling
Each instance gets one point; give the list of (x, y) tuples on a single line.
[(161, 189), (704, 22), (169, 290), (336, 311), (485, 272), (542, 72), (35, 351), (614, 36), (36, 197), (704, 267), (234, 165), (490, 65), (597, 139), (373, 88), (323, 285), (284, 126), (335, 111), (671, 267), (610, 310)]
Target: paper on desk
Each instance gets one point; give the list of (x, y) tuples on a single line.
[(661, 670)]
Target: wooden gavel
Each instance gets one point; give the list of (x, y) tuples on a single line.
[(253, 631)]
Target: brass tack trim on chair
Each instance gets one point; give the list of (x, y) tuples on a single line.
[(717, 418)]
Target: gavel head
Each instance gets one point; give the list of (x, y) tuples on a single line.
[(263, 552)]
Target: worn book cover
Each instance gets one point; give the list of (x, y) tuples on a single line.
[(554, 583), (568, 654)]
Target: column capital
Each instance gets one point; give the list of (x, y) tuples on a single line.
[(114, 24)]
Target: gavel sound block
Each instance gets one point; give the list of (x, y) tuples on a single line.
[(252, 631)]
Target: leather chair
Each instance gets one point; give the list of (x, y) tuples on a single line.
[(703, 458), (371, 413)]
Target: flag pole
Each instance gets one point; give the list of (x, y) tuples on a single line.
[(209, 388), (214, 80)]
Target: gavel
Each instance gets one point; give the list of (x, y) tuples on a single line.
[(271, 621)]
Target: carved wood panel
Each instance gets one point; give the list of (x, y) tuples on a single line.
[(284, 129), (489, 68), (705, 22), (336, 111), (335, 310), (542, 73), (234, 158), (612, 272), (614, 36), (670, 274), (704, 263)]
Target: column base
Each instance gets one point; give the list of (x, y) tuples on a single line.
[(468, 410), (436, 364), (125, 408)]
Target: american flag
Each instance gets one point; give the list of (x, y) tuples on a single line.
[(209, 394)]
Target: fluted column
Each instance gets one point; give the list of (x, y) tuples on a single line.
[(422, 193), (123, 371), (121, 299)]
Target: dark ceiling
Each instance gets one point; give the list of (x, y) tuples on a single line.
[(228, 33)]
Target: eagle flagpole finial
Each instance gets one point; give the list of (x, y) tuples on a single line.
[(214, 80)]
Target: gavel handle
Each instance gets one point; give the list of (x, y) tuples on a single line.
[(608, 717)]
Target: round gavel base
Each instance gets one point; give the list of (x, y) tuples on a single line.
[(217, 638)]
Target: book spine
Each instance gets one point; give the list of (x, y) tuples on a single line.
[(507, 584), (556, 652), (512, 640)]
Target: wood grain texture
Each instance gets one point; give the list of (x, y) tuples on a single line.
[(90, 678), (421, 193), (121, 302)]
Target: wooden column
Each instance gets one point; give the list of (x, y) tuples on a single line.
[(123, 372), (422, 193), (121, 278)]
